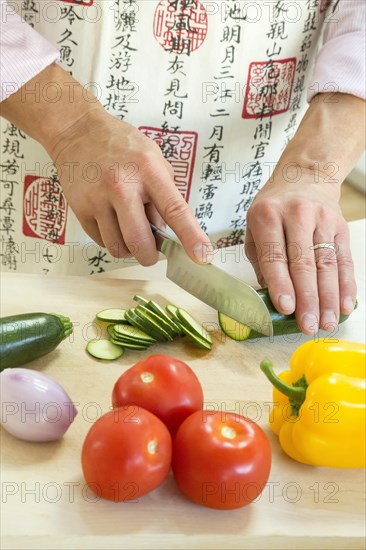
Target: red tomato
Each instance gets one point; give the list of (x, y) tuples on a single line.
[(126, 454), (221, 460), (165, 386)]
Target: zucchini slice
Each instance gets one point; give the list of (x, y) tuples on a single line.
[(198, 340), (235, 330), (150, 324), (188, 322), (112, 315), (153, 306), (104, 349), (129, 345), (162, 323), (173, 312), (139, 323), (140, 300), (134, 333), (120, 338)]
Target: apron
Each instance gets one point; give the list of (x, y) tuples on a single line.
[(220, 86)]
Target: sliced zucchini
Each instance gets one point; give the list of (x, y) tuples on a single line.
[(173, 312), (104, 349), (151, 326), (129, 345), (128, 340), (140, 300), (153, 306), (139, 323), (162, 323), (110, 329), (200, 342), (133, 332), (235, 330), (188, 322), (112, 315)]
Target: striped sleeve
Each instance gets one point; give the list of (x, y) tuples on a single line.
[(340, 65), (23, 52)]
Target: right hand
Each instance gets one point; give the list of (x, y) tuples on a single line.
[(116, 181)]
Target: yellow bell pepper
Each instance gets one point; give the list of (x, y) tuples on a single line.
[(319, 405)]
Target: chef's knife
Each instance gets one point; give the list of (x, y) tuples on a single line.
[(214, 286)]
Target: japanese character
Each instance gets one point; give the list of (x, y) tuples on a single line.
[(231, 34), (173, 108), (174, 88), (217, 132), (176, 65)]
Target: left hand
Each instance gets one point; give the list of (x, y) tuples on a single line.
[(284, 222)]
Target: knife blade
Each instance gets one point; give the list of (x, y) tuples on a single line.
[(214, 286)]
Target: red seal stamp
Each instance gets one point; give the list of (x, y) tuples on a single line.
[(269, 87), (44, 209), (81, 2), (179, 149), (180, 26)]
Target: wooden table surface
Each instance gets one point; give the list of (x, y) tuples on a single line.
[(45, 502)]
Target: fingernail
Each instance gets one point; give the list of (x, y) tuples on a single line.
[(348, 304), (328, 320), (203, 253), (286, 303), (310, 322)]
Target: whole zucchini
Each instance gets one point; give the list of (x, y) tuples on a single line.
[(30, 335), (282, 324)]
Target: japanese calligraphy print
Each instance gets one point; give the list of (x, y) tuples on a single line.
[(179, 148), (81, 2), (269, 88), (180, 26), (44, 209), (219, 87), (120, 88), (309, 27), (12, 157)]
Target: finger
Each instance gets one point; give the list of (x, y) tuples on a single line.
[(90, 227), (327, 277), (346, 275), (178, 215), (268, 234), (170, 169), (251, 254), (303, 270), (153, 216), (136, 229), (111, 234)]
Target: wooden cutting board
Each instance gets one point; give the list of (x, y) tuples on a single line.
[(45, 502)]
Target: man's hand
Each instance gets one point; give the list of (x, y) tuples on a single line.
[(298, 208), (115, 179)]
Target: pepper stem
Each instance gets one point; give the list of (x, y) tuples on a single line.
[(296, 394)]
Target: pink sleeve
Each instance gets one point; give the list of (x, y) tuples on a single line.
[(24, 52), (340, 66)]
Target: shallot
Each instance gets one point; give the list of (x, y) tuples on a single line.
[(34, 406)]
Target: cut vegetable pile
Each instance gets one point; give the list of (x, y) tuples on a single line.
[(143, 325)]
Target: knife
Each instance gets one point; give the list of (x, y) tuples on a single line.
[(214, 286)]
